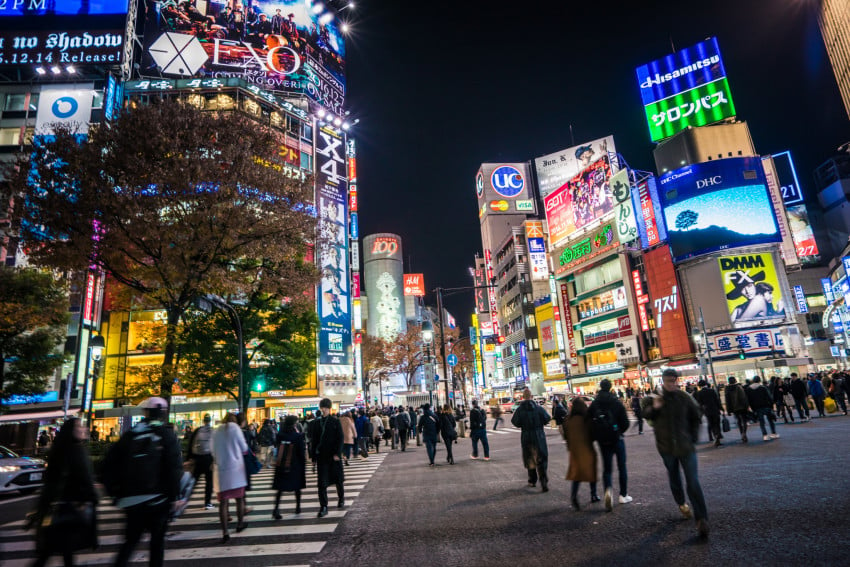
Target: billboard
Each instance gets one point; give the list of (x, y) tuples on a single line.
[(789, 251), (505, 188), (703, 206), (279, 45), (795, 207), (685, 88), (335, 292), (650, 224), (666, 301), (584, 248), (554, 170), (384, 279), (581, 200), (625, 214), (66, 105), (752, 288), (755, 342), (610, 300), (35, 33), (414, 284)]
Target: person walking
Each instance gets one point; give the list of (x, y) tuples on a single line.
[(817, 393), (496, 412), (411, 413), (582, 467), (376, 426), (349, 435), (393, 429), (609, 423), (675, 417), (799, 393), (326, 442), (362, 426), (402, 422), (778, 390), (142, 471), (65, 514), (266, 439), (448, 431), (478, 430), (290, 474), (559, 414), (762, 405), (737, 404), (229, 475), (200, 453), (709, 401), (429, 428), (635, 401), (532, 418), (836, 391)]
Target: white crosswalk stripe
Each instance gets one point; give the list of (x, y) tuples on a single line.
[(194, 538)]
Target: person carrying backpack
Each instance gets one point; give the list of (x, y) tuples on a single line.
[(266, 439), (608, 423), (142, 472), (478, 430), (200, 452), (402, 422)]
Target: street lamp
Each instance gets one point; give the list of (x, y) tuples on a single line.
[(96, 347), (427, 339), (707, 348), (206, 303)]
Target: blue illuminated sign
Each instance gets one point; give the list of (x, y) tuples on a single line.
[(507, 181), (681, 71), (828, 294), (536, 245), (802, 306), (355, 227)]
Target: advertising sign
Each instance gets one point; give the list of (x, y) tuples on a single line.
[(482, 305), (606, 301), (627, 351), (68, 105), (828, 294), (581, 200), (792, 193), (554, 170), (578, 251), (537, 259), (703, 202), (650, 220), (280, 45), (624, 210), (788, 249), (414, 284), (61, 32), (800, 296), (755, 342), (572, 352), (335, 296), (642, 300), (505, 188), (752, 288), (685, 88), (666, 302), (802, 234)]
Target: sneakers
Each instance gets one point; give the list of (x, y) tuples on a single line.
[(774, 435), (473, 457), (594, 499), (685, 510), (625, 499), (766, 438), (702, 528), (574, 502), (609, 500), (209, 506), (486, 458)]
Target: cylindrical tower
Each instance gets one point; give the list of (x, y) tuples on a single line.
[(383, 272)]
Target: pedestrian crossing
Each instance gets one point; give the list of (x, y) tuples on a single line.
[(194, 538)]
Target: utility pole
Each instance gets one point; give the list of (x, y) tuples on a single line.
[(707, 348), (449, 400)]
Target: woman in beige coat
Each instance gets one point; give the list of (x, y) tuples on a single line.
[(349, 433), (582, 466)]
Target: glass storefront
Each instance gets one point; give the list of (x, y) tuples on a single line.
[(605, 302), (598, 276)]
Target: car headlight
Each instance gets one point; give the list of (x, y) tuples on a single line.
[(10, 468)]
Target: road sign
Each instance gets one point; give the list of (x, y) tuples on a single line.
[(452, 360)]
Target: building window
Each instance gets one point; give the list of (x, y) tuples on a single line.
[(10, 136), (15, 102)]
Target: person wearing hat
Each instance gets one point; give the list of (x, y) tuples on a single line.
[(200, 453), (143, 472), (709, 401), (755, 304), (675, 417)]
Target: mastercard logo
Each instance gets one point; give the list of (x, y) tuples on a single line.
[(499, 206)]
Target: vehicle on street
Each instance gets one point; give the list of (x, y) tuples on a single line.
[(24, 474)]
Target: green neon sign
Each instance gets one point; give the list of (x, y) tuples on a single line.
[(696, 107)]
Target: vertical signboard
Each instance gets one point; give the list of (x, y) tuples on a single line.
[(335, 296), (828, 294), (572, 352), (624, 211), (799, 294), (384, 278), (789, 251), (670, 324)]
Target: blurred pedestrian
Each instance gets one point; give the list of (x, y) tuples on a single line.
[(559, 413), (709, 402), (817, 393), (836, 391), (402, 423), (799, 392), (429, 427), (736, 403), (778, 391), (478, 430), (266, 439), (362, 425), (609, 423), (290, 473), (411, 413), (636, 397), (326, 442), (532, 418), (65, 514), (582, 467), (675, 417), (376, 430), (448, 431), (200, 453), (349, 434), (230, 477), (762, 405), (496, 412)]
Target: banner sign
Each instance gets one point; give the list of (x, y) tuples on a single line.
[(624, 210), (335, 297), (414, 284), (554, 170), (66, 105), (753, 342), (572, 352), (576, 253), (828, 294), (752, 288)]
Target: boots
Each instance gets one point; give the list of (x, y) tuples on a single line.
[(297, 501)]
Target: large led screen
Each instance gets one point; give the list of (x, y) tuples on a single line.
[(717, 205), (42, 33), (581, 200), (554, 170), (279, 45)]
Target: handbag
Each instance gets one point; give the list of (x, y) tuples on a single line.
[(252, 463), (67, 527), (829, 405), (724, 423), (789, 400)]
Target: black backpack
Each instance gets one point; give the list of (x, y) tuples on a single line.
[(604, 427), (133, 466), (402, 420)]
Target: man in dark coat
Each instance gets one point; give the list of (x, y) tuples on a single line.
[(675, 416), (326, 440), (736, 403), (412, 414), (531, 418), (709, 401), (609, 408), (429, 428), (799, 392), (761, 403)]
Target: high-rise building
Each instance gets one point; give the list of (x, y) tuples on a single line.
[(833, 18)]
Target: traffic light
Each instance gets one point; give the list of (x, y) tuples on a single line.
[(259, 385), (502, 339), (741, 354)]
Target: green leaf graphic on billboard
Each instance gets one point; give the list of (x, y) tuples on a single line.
[(695, 107)]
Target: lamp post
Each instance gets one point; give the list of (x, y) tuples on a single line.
[(427, 338), (96, 347), (206, 303), (707, 348)]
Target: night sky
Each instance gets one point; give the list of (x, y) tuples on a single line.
[(441, 87)]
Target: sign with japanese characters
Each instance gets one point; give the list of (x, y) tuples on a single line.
[(580, 250), (802, 305), (624, 209), (754, 342), (537, 259), (666, 303), (697, 107)]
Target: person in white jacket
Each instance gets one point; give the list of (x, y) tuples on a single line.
[(229, 475)]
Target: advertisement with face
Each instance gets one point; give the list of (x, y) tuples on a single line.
[(703, 204), (556, 169), (752, 288), (280, 45), (335, 294), (61, 32), (606, 301), (580, 201)]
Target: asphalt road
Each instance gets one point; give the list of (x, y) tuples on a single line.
[(783, 502)]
